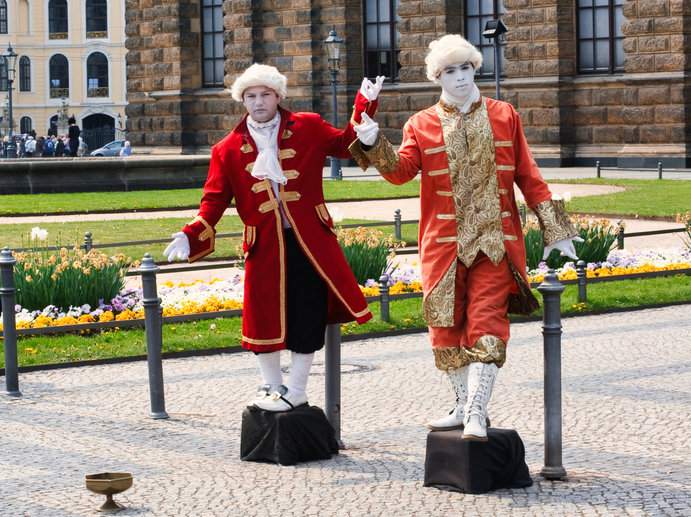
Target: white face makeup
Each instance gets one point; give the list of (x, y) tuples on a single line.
[(261, 103), (457, 80)]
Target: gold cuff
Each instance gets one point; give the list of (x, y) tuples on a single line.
[(554, 221), (382, 155)]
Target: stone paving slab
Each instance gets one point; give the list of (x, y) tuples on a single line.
[(627, 431)]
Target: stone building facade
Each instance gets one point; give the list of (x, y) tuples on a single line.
[(633, 115)]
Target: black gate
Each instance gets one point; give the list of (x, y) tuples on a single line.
[(98, 130)]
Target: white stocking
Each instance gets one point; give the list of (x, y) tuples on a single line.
[(299, 372), (270, 369)]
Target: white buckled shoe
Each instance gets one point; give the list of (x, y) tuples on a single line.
[(481, 378), (282, 400), (263, 391)]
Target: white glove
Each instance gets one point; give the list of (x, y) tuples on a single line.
[(565, 246), (367, 130), (371, 90), (179, 249)]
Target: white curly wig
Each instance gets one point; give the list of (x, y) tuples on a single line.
[(260, 75), (448, 50)]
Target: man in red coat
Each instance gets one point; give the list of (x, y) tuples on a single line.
[(469, 151), (296, 277)]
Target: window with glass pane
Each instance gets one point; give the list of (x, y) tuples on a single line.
[(59, 76), (97, 75), (25, 125), (57, 19), (24, 74), (212, 43), (3, 16), (382, 39), (477, 14), (96, 18), (4, 74), (600, 39)]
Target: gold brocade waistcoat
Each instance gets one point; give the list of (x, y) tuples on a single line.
[(470, 149)]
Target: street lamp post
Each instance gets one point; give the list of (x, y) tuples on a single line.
[(333, 48), (10, 60), (493, 30)]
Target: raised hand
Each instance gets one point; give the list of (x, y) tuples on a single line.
[(179, 249), (371, 90), (367, 130)]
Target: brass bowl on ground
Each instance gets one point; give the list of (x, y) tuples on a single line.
[(109, 483)]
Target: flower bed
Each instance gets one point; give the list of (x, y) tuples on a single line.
[(216, 295)]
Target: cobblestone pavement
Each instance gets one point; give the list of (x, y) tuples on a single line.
[(627, 431)]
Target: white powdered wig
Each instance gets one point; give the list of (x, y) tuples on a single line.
[(260, 75), (451, 49)]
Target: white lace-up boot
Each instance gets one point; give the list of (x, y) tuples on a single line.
[(458, 377), (480, 383)]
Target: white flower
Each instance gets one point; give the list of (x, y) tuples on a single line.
[(38, 234), (567, 197)]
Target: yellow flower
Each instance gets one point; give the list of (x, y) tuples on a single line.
[(106, 316)]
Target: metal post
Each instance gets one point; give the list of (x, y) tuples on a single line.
[(154, 337), (384, 297), (398, 234), (497, 66), (551, 290), (659, 170), (9, 324), (11, 147), (597, 169), (88, 242), (582, 282), (620, 236), (332, 358), (336, 172)]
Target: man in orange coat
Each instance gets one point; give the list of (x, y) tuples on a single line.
[(470, 150), (296, 276)]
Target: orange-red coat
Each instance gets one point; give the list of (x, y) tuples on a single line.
[(304, 141)]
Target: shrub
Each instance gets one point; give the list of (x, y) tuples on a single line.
[(367, 251)]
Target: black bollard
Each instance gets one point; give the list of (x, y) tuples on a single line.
[(551, 290), (659, 170), (88, 241), (154, 337), (332, 379), (597, 169), (582, 282), (398, 233), (9, 324), (384, 298)]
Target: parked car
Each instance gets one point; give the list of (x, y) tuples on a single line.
[(110, 149)]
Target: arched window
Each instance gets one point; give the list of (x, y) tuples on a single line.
[(381, 38), (4, 74), (212, 43), (3, 16), (24, 74), (57, 19), (25, 125), (96, 18), (600, 38), (59, 77), (477, 14), (97, 75)]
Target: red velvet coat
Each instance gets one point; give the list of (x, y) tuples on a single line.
[(304, 141)]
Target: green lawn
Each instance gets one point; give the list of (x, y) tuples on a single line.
[(27, 204), (103, 232), (404, 314), (644, 198)]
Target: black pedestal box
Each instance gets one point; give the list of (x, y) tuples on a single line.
[(476, 467), (287, 438)]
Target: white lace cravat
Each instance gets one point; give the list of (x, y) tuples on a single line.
[(267, 165), (463, 105)]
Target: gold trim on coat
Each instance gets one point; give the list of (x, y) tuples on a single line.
[(269, 205), (446, 239), (435, 150), (503, 143), (291, 174), (503, 191), (249, 167), (438, 172), (286, 153), (260, 186), (246, 148), (506, 168), (289, 195), (287, 133), (510, 237), (506, 213), (445, 193), (447, 217)]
